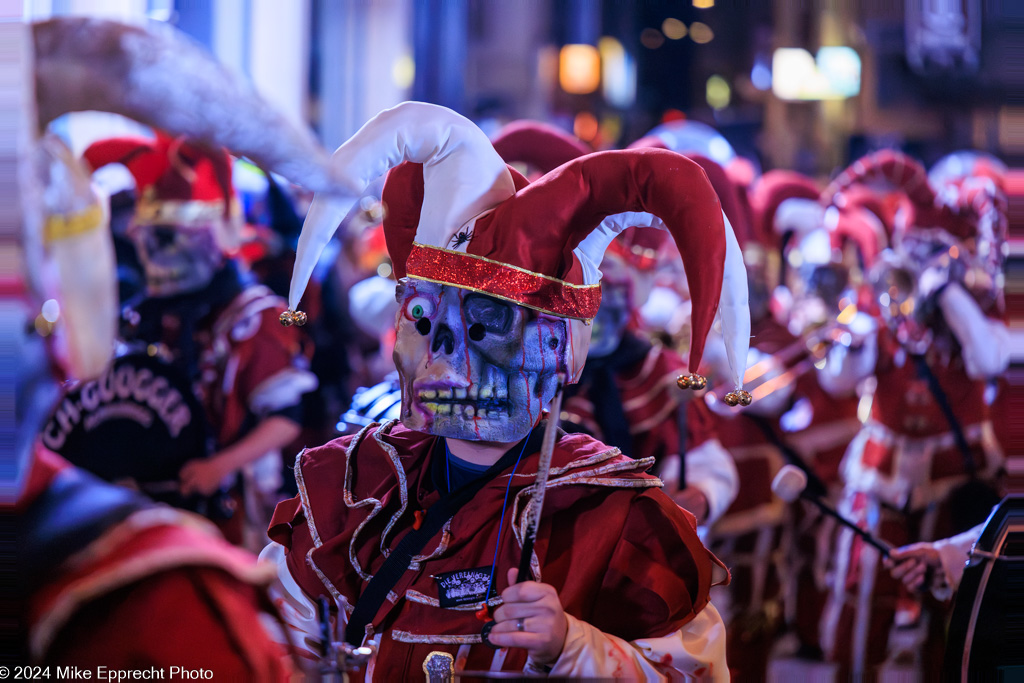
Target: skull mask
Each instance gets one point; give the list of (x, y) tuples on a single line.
[(176, 259), (474, 367)]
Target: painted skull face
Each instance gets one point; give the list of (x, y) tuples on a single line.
[(176, 259), (474, 367)]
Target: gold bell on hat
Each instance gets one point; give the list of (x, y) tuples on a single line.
[(691, 381), (289, 318), (738, 398)]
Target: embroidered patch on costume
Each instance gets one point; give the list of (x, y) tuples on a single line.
[(463, 587)]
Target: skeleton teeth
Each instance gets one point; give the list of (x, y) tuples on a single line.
[(468, 411), (444, 393), (428, 393), (486, 391), (481, 412), (432, 407), (460, 392), (473, 391), (444, 408), (502, 389)]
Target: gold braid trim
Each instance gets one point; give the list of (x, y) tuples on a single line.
[(350, 500), (313, 533), (403, 492), (406, 637)]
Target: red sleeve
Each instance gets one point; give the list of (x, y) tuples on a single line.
[(272, 349), (659, 568), (194, 618), (287, 515), (288, 527)]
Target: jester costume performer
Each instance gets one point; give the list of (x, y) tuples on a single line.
[(498, 279), (212, 321), (104, 576)]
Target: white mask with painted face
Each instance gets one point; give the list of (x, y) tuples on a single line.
[(176, 259), (474, 367)]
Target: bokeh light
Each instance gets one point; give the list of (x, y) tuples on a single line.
[(403, 72), (673, 29), (761, 75), (701, 33), (579, 69), (652, 38), (585, 126), (618, 73), (717, 92)]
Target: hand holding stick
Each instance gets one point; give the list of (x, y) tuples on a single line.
[(791, 483)]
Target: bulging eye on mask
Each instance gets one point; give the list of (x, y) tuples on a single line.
[(472, 366)]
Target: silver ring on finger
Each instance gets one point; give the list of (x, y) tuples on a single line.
[(520, 626)]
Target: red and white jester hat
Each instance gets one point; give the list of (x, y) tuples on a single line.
[(540, 146), (178, 182), (974, 209), (465, 221), (959, 213)]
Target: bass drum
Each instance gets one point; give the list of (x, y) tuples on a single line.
[(137, 425), (986, 639)]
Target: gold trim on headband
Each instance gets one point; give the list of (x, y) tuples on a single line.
[(504, 265), (182, 213), (514, 284)]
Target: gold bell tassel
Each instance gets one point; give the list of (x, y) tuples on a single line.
[(692, 381), (290, 317), (738, 398)]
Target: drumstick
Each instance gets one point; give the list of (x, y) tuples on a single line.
[(547, 450)]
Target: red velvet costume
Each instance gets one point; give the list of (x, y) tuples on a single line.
[(249, 367), (156, 588), (822, 445), (597, 544), (749, 535), (250, 363)]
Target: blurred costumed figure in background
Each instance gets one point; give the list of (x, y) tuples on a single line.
[(105, 577), (926, 464), (811, 263), (208, 317)]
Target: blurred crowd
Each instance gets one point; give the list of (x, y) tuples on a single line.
[(876, 367)]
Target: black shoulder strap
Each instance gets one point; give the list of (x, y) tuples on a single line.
[(815, 485), (440, 512), (924, 371)]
